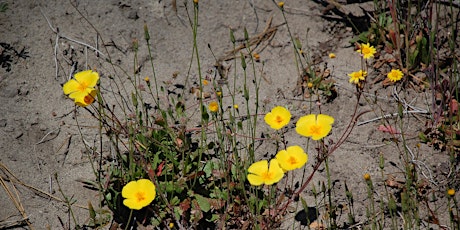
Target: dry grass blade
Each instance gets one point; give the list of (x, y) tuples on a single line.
[(255, 41), (13, 194), (9, 176)]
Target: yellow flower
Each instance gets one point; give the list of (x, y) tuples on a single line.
[(205, 82), (235, 106), (310, 85), (260, 173), (147, 79), (292, 158), (219, 94), (278, 117), (395, 75), (451, 192), (81, 89), (256, 56), (314, 126), (332, 55), (355, 77), (367, 176), (195, 1), (281, 4), (213, 106), (366, 50), (138, 194)]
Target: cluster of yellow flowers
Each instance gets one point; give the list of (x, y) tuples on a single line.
[(293, 157), (367, 51)]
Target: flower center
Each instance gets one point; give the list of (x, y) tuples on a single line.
[(267, 176), (292, 160), (278, 119), (366, 50), (82, 86), (315, 130), (140, 196)]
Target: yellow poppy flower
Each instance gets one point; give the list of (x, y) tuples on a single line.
[(138, 194), (81, 88), (292, 158), (332, 55), (367, 51), (260, 173), (355, 77), (395, 75), (314, 126), (278, 117)]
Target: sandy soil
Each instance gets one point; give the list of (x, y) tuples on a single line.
[(38, 133)]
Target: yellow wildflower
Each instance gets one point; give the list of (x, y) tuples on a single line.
[(138, 194), (355, 77), (278, 117), (205, 82), (332, 55), (281, 4), (451, 192), (292, 158), (260, 173), (235, 106), (314, 126), (147, 79), (395, 75), (367, 176), (367, 51), (81, 88), (213, 106)]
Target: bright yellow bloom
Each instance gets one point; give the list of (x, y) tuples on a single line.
[(260, 173), (281, 4), (205, 82), (81, 89), (332, 55), (366, 50), (235, 106), (138, 194), (292, 158), (395, 75), (278, 117), (310, 85), (314, 126), (355, 77), (451, 192), (147, 79), (219, 94), (213, 106)]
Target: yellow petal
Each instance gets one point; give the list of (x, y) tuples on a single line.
[(149, 187), (323, 119), (88, 77), (259, 167), (304, 123), (132, 204), (70, 86), (275, 171), (83, 99), (129, 190), (255, 180)]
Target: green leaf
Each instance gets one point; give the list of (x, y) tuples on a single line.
[(203, 202)]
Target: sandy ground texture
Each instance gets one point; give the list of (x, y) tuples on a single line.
[(49, 40)]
